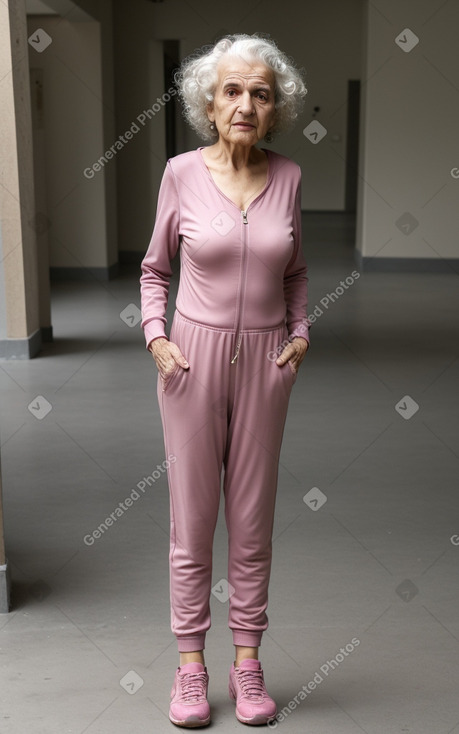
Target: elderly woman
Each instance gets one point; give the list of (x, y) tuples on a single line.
[(238, 337)]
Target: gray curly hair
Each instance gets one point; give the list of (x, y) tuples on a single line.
[(196, 80)]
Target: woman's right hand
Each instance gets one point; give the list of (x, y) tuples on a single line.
[(166, 355)]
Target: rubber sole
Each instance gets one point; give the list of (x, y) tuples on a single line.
[(192, 722), (258, 720)]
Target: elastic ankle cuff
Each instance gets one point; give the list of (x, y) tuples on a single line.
[(246, 638), (191, 643)]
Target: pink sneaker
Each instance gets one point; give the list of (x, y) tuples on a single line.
[(247, 688), (189, 706)]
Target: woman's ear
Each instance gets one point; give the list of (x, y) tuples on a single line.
[(210, 112)]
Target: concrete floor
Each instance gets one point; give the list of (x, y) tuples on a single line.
[(87, 646)]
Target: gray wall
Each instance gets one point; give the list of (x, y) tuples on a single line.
[(322, 37), (408, 212), (78, 125), (407, 216)]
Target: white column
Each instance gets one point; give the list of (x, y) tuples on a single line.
[(19, 322)]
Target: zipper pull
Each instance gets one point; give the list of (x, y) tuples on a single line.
[(244, 216), (238, 346)]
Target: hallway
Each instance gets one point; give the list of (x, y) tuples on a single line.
[(373, 568)]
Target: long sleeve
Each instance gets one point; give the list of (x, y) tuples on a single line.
[(296, 280), (219, 257), (156, 265)]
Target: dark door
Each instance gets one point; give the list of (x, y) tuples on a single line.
[(352, 144)]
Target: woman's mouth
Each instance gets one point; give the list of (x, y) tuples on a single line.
[(243, 125)]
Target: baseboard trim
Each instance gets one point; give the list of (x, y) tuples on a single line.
[(406, 264), (46, 334), (5, 589), (21, 348)]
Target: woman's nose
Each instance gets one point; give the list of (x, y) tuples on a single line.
[(246, 103)]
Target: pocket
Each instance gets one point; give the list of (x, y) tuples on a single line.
[(167, 379), (287, 375), (293, 371)]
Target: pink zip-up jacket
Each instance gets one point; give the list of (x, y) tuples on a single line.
[(238, 269)]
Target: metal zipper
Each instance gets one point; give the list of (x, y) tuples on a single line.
[(242, 291)]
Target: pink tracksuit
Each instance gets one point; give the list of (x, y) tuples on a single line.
[(242, 293)]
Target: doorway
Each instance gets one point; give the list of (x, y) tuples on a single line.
[(352, 144)]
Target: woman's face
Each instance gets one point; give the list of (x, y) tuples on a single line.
[(243, 104)]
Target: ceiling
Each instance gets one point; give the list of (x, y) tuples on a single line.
[(65, 8), (38, 7)]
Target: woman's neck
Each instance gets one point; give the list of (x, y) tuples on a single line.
[(228, 155)]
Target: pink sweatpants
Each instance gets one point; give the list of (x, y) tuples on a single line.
[(222, 416)]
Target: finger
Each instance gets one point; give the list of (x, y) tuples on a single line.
[(178, 356), (287, 353), (162, 355)]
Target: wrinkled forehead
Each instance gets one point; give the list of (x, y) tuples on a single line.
[(245, 71)]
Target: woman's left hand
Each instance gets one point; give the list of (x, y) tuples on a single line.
[(294, 353)]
